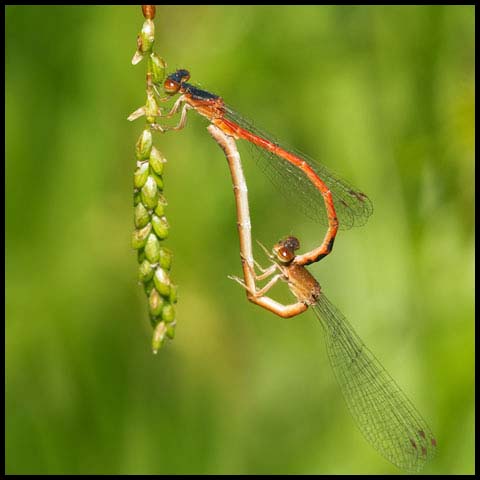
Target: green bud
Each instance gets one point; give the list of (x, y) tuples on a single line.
[(147, 36), (173, 293), (141, 174), (139, 237), (152, 248), (143, 146), (162, 281), (157, 161), (161, 204), (157, 67), (171, 330), (168, 313), (160, 210), (158, 336), (150, 193), (165, 258), (155, 303), (141, 216), (158, 180), (145, 271), (151, 108), (160, 226)]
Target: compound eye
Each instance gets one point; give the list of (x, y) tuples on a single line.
[(171, 87), (285, 254)]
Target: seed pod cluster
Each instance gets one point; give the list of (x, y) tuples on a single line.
[(151, 228)]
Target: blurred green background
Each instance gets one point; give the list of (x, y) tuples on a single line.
[(383, 95)]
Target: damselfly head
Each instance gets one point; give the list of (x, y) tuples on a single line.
[(285, 249), (174, 81)]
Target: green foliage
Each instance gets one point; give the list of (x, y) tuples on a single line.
[(382, 95)]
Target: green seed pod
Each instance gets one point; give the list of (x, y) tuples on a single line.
[(158, 179), (152, 248), (161, 204), (157, 66), (141, 174), (139, 237), (171, 330), (151, 108), (147, 36), (141, 216), (162, 282), (173, 294), (158, 336), (160, 209), (145, 271), (165, 258), (160, 226), (168, 313), (155, 303), (144, 145), (157, 161), (150, 193)]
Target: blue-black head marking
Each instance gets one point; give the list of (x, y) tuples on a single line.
[(177, 81), (179, 76)]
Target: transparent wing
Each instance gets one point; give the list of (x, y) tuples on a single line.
[(352, 206), (384, 414)]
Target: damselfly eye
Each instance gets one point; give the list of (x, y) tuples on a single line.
[(171, 87), (284, 254), (285, 249)]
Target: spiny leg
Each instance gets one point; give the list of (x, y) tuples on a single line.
[(175, 107), (266, 272), (183, 117), (141, 111), (257, 292), (181, 123)]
